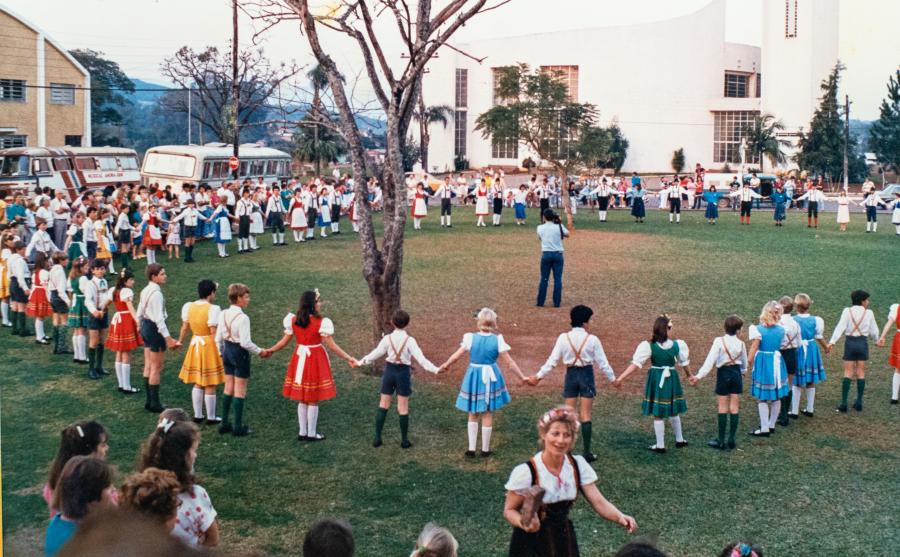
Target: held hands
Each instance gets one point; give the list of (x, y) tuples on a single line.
[(692, 379), (829, 348), (265, 353), (880, 343), (533, 380), (172, 344)]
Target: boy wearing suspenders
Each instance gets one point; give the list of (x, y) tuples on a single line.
[(579, 350), (857, 326), (729, 356), (400, 349)]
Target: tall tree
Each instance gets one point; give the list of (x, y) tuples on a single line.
[(884, 135), (396, 87), (208, 75), (534, 108), (316, 116), (761, 136), (317, 142), (108, 83), (678, 160), (426, 116)]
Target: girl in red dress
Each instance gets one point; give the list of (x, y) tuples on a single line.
[(152, 235), (481, 202), (894, 357), (419, 209), (309, 380), (123, 333), (38, 301)]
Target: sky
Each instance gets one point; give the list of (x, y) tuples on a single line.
[(138, 34)]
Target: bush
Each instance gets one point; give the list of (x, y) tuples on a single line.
[(678, 160), (460, 163)]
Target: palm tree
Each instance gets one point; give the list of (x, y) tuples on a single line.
[(425, 116), (761, 137), (319, 81), (318, 143)]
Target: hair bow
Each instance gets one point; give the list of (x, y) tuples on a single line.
[(80, 431), (166, 424)]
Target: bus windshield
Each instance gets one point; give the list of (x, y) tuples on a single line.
[(16, 165), (181, 166)]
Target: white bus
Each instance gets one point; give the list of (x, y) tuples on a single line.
[(73, 169), (174, 165)]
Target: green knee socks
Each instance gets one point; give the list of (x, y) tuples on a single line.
[(723, 422), (845, 390), (380, 417), (733, 426), (238, 413), (587, 429), (92, 358), (226, 407), (860, 388), (404, 428)]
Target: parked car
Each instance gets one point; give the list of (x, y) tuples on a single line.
[(887, 194)]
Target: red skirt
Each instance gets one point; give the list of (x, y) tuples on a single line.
[(123, 334), (315, 383), (38, 304), (152, 242), (894, 358)]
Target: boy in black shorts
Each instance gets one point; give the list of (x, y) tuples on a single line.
[(400, 349), (729, 356), (96, 298)]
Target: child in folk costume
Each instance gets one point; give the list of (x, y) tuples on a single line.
[(6, 241), (843, 212), (638, 209), (323, 220), (770, 380), (123, 232), (275, 216), (519, 201), (96, 298), (810, 364), (152, 236), (234, 342), (712, 198), (202, 366), (123, 330), (483, 390), (729, 356), (871, 203), (579, 350), (481, 202), (221, 221), (88, 231), (351, 211), (297, 214), (17, 267), (77, 319), (790, 349), (400, 349), (497, 201), (894, 357), (419, 209), (746, 195), (38, 305), (311, 202), (335, 201), (58, 291), (151, 312), (173, 235), (857, 324), (895, 216), (190, 218), (663, 395), (674, 195), (446, 194), (815, 197), (40, 241), (257, 223), (780, 199), (309, 380), (603, 193), (243, 211), (105, 243)]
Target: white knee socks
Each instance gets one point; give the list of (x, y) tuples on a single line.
[(4, 311), (659, 427), (811, 397), (126, 376), (197, 400), (311, 231), (898, 229), (677, 217), (210, 401), (312, 419), (301, 418), (480, 221), (448, 222), (221, 248), (486, 438), (676, 427), (774, 410), (417, 223), (442, 220), (763, 416), (868, 226), (895, 386), (335, 227), (281, 237), (76, 347), (151, 256), (602, 215), (119, 375), (473, 435), (322, 233), (298, 235), (274, 238), (795, 400), (253, 242), (39, 329)]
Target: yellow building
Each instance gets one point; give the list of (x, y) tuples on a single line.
[(45, 97)]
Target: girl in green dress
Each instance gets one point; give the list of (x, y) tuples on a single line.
[(77, 311), (75, 239), (663, 395)]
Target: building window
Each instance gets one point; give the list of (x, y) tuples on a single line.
[(790, 19), (758, 85), (462, 88), (12, 90), (507, 148), (62, 93), (728, 131), (459, 133), (736, 85), (73, 140), (10, 141), (568, 75)]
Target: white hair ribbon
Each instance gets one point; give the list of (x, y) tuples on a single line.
[(80, 431), (166, 424)]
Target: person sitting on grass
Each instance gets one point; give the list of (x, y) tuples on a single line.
[(85, 486), (435, 541), (154, 494), (741, 549), (85, 438), (331, 537), (400, 349), (640, 548)]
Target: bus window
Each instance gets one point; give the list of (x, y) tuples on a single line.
[(207, 168), (41, 166), (13, 165), (108, 163), (86, 163), (245, 169), (167, 164), (128, 163), (272, 168), (258, 168), (61, 164)]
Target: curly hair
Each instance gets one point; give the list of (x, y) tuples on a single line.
[(153, 493), (771, 313), (167, 449)]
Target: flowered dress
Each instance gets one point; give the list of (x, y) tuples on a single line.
[(308, 377)]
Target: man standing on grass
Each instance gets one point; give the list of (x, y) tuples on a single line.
[(551, 233)]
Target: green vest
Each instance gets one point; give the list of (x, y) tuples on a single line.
[(661, 357)]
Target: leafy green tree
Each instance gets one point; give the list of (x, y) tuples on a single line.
[(884, 135), (761, 136), (678, 160), (317, 143), (426, 116), (411, 154), (108, 83)]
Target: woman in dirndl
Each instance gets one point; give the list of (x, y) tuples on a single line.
[(770, 380), (419, 209), (638, 209), (152, 237), (221, 223), (481, 202), (663, 395), (298, 220), (552, 480), (78, 313), (894, 357), (203, 366), (810, 363), (38, 305), (308, 379), (123, 331)]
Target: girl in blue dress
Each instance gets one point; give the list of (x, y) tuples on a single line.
[(221, 223), (780, 199), (483, 390), (638, 210), (770, 380), (712, 204), (810, 364)]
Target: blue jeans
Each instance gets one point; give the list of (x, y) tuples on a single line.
[(551, 261)]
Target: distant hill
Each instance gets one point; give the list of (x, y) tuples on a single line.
[(145, 97)]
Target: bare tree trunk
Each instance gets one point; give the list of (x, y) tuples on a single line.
[(423, 134), (564, 195), (235, 86)]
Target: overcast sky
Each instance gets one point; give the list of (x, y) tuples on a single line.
[(138, 34)]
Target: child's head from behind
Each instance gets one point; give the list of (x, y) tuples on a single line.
[(173, 446), (787, 304), (580, 315), (435, 541), (741, 549), (733, 324), (85, 484), (486, 319), (329, 538), (400, 319), (771, 313), (154, 494), (859, 297), (85, 438), (802, 302)]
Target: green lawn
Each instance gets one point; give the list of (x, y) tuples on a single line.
[(825, 486)]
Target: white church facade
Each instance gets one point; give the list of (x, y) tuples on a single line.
[(670, 84)]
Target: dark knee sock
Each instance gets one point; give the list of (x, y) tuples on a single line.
[(226, 407), (586, 429), (860, 387), (733, 426), (845, 390), (14, 319), (404, 427), (380, 417), (147, 391), (92, 358), (100, 356), (785, 407), (723, 421), (55, 339), (238, 412)]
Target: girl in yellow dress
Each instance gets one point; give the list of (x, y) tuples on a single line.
[(6, 240), (102, 235), (202, 362)]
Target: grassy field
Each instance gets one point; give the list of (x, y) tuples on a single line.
[(826, 485)]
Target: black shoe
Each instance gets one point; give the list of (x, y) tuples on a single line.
[(102, 371), (893, 401), (589, 457), (784, 422), (156, 408), (92, 374), (793, 417), (486, 454), (41, 341), (242, 431), (656, 449), (681, 444), (82, 362), (64, 351), (731, 445), (130, 391), (470, 454), (407, 444), (213, 421), (715, 444), (807, 414), (225, 427), (760, 433), (199, 420), (857, 406), (302, 438), (316, 437), (842, 408), (377, 443)]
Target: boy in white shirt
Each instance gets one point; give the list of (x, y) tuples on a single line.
[(857, 324), (789, 346), (400, 349), (729, 356)]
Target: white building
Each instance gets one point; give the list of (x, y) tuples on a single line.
[(669, 84)]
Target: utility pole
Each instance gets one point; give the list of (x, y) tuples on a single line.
[(846, 142), (189, 116), (235, 87)]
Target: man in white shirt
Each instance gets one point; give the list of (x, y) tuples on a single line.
[(400, 350), (579, 350), (746, 195), (445, 194), (815, 196), (151, 313), (871, 203), (857, 324), (59, 208)]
